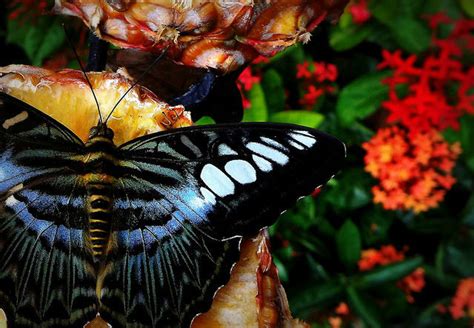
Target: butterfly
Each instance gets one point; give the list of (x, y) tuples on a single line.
[(143, 233)]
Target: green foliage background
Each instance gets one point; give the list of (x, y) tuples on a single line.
[(318, 243)]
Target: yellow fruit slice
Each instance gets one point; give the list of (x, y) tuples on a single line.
[(66, 96)]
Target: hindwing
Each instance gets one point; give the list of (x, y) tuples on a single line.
[(46, 275)]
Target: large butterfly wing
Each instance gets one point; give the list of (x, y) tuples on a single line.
[(183, 194), (46, 274)]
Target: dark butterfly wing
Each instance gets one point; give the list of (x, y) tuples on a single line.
[(183, 194), (46, 276)]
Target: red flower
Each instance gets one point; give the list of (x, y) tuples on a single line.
[(261, 60), (342, 309), (414, 169), (436, 19), (247, 79), (302, 71), (342, 314), (428, 104), (245, 83), (412, 283), (311, 96), (462, 304), (359, 11), (21, 7), (316, 77)]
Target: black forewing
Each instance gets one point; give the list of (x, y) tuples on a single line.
[(46, 276), (182, 193)]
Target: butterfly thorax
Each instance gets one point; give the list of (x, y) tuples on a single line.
[(100, 161)]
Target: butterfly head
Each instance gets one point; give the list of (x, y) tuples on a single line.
[(101, 130)]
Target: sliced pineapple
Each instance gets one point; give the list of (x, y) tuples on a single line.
[(220, 34)]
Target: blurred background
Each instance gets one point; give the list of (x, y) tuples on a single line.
[(390, 240)]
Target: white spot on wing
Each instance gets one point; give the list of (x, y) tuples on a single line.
[(223, 149), (305, 140), (273, 143), (15, 119), (188, 143), (11, 201), (262, 163), (217, 181), (305, 133), (241, 170), (268, 152), (296, 145), (209, 196)]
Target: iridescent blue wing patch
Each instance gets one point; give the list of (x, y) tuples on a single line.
[(181, 198), (46, 273)]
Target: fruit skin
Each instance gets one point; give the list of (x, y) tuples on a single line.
[(218, 34), (254, 294)]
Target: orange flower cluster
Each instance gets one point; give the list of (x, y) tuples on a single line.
[(462, 304), (342, 312), (414, 169), (413, 283), (372, 257)]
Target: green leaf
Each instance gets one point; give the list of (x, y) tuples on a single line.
[(302, 215), (345, 20), (258, 111), (300, 117), (361, 97), (39, 40), (449, 7), (375, 225), (342, 39), (351, 191), (459, 255), (282, 271), (464, 135), (467, 140), (468, 213), (446, 281), (362, 307), (272, 84), (205, 120), (348, 243), (384, 10), (467, 6), (314, 295), (411, 34), (387, 273)]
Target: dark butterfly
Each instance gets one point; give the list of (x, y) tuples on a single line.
[(143, 233)]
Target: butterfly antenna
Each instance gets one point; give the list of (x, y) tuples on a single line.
[(68, 38), (136, 82)]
